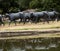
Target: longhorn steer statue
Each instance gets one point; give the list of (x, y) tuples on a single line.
[(14, 17)]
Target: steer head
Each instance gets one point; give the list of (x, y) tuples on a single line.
[(7, 16)]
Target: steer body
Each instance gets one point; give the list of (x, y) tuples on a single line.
[(15, 16), (37, 16), (53, 15)]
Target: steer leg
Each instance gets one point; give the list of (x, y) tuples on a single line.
[(3, 23), (15, 22), (10, 22), (0, 23), (24, 20), (36, 20), (20, 21), (47, 20), (57, 18)]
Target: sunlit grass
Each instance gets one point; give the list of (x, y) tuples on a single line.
[(29, 26)]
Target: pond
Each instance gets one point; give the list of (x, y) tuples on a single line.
[(39, 44)]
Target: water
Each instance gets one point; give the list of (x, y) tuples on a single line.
[(39, 44)]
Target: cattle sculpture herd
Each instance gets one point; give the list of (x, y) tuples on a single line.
[(33, 17)]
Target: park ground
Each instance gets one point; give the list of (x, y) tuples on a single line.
[(31, 27)]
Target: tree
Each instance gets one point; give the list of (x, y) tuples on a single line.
[(5, 5), (15, 5), (35, 4), (24, 4)]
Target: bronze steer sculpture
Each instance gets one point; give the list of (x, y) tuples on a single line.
[(14, 16)]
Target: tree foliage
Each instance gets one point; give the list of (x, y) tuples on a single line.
[(16, 5)]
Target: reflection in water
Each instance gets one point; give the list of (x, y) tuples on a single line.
[(1, 49), (52, 45), (40, 44), (41, 48), (16, 49)]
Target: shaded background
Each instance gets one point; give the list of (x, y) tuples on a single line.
[(21, 5)]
